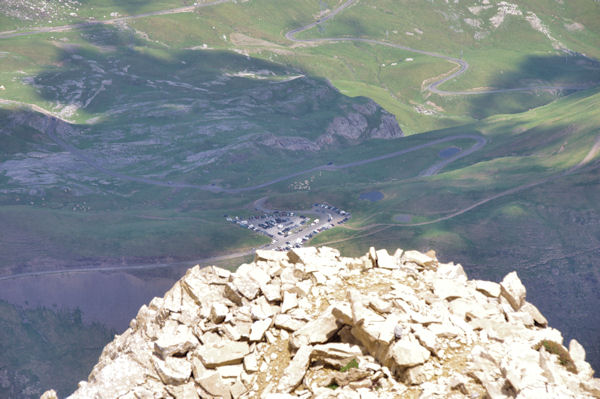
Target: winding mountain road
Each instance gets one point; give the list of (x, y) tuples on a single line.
[(432, 87), (88, 24), (291, 36), (127, 267), (480, 141), (592, 153)]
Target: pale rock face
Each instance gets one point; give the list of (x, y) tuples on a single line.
[(290, 301), (288, 325), (272, 292), (51, 394), (261, 309), (407, 352), (417, 374), (178, 339), (173, 370), (223, 354), (521, 368), (386, 261), (248, 288), (231, 332), (251, 363), (513, 290), (316, 331), (336, 354), (489, 288), (230, 292), (218, 312), (576, 351), (419, 259), (295, 371), (274, 256), (592, 386), (185, 391), (535, 314), (426, 338), (449, 289), (343, 313), (231, 371), (214, 385), (451, 271), (259, 328)]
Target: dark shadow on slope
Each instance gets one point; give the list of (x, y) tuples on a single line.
[(566, 71), (221, 95), (49, 336)]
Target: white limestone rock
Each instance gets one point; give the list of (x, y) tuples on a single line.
[(259, 328), (420, 259), (449, 289), (273, 256), (284, 325), (592, 386), (50, 394), (251, 363), (317, 331), (261, 309), (272, 292), (218, 312), (231, 292), (288, 323), (173, 370), (535, 314), (290, 301), (488, 288), (385, 260), (214, 385), (576, 351), (407, 352), (451, 271), (336, 354), (223, 353), (175, 339), (513, 290), (247, 287), (294, 372)]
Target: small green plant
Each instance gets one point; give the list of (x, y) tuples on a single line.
[(333, 385), (352, 364), (563, 355)]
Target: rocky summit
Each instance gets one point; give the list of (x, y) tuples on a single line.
[(310, 323)]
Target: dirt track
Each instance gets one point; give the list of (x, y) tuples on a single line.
[(432, 87)]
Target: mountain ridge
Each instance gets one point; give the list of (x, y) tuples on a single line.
[(312, 323)]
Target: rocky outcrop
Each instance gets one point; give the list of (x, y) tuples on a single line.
[(311, 323), (354, 126), (289, 143), (359, 123)]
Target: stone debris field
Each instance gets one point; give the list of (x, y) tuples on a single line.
[(309, 323)]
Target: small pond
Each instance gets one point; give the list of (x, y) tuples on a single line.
[(372, 196), (402, 218), (449, 152)]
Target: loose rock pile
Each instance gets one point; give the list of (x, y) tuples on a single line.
[(310, 323)]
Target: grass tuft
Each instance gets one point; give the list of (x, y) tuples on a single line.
[(563, 354)]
